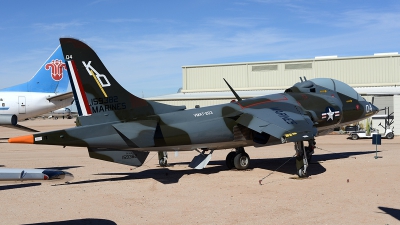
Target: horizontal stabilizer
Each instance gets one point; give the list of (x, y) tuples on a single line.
[(61, 97), (126, 157), (137, 134)]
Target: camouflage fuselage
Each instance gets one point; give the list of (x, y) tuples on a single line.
[(210, 127)]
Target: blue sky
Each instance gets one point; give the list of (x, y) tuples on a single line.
[(144, 44)]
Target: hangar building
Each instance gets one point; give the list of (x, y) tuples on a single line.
[(377, 75)]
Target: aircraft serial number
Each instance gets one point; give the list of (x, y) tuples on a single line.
[(128, 157), (101, 101), (285, 117), (106, 104), (203, 114)]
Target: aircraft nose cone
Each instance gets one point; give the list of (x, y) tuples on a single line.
[(375, 109)]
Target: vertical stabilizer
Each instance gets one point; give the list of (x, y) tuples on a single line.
[(96, 90), (50, 78)]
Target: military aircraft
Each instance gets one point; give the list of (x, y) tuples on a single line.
[(119, 127), (44, 92)]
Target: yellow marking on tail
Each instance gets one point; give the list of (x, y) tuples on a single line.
[(98, 83)]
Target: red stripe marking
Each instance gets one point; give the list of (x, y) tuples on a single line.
[(267, 101), (83, 93)]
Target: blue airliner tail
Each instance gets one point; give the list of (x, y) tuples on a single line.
[(52, 77)]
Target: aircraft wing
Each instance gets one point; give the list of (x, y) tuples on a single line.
[(61, 97), (289, 123)]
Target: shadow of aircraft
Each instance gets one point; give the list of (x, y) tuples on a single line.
[(59, 168), (15, 186), (393, 212), (341, 155), (166, 176), (78, 222)]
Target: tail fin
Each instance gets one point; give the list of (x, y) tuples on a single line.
[(49, 78), (95, 89)]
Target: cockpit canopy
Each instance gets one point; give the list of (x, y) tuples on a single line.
[(318, 84)]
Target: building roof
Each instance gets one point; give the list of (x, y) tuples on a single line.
[(393, 90)]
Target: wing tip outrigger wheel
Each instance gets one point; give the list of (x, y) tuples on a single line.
[(163, 158)]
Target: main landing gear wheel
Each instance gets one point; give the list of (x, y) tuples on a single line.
[(229, 160), (242, 161), (238, 159)]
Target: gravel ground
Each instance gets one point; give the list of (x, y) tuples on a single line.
[(347, 185)]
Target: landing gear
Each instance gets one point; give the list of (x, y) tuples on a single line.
[(303, 156), (310, 149), (163, 158), (238, 159), (229, 160)]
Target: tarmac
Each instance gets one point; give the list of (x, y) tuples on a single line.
[(347, 185)]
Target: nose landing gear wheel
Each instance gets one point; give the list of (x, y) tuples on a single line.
[(301, 159), (300, 167), (301, 173)]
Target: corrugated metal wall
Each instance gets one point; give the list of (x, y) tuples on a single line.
[(355, 71), (382, 102)]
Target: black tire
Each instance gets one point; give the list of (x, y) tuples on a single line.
[(300, 173), (390, 135), (163, 162), (241, 161), (354, 136), (229, 160)]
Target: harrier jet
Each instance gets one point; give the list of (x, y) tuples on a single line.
[(120, 127)]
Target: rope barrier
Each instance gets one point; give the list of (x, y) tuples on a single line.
[(260, 181)]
